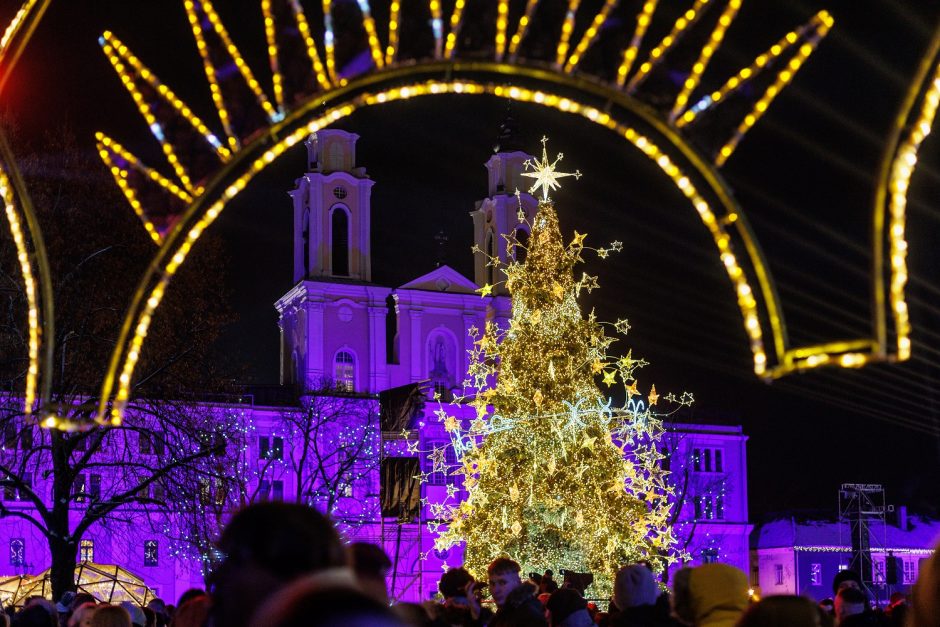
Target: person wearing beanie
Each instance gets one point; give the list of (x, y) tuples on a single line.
[(635, 595), (845, 578), (710, 595), (566, 608)]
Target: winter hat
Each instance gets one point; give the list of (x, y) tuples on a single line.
[(563, 603), (137, 615), (634, 586), (845, 575)]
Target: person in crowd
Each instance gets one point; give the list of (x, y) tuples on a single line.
[(845, 578), (634, 601), (371, 566), (413, 614), (159, 608), (266, 546), (107, 615), (189, 595), (547, 582), (828, 606), (851, 608), (566, 608), (710, 595), (309, 602), (461, 606), (193, 613), (81, 615), (924, 604), (785, 611), (138, 618), (515, 601), (35, 615), (924, 610)]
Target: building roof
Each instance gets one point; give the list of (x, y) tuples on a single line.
[(922, 533), (442, 279)]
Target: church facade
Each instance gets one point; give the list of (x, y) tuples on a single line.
[(372, 350)]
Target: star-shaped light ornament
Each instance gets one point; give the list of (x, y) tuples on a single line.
[(486, 290), (544, 172), (653, 396)]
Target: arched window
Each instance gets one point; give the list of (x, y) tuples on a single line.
[(344, 371), (522, 245), (305, 235), (340, 243)]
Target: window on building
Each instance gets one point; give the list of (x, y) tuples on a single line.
[(205, 491), (86, 551), (438, 372), (17, 552), (709, 555), (778, 574), (26, 438), (709, 509), (344, 371), (879, 570), (277, 490), (450, 459), (213, 441), (81, 488), (9, 434), (438, 477), (151, 557), (23, 493), (707, 460), (720, 507), (699, 507), (144, 444), (340, 243), (910, 571), (158, 440), (815, 574), (270, 447), (94, 485), (157, 491)]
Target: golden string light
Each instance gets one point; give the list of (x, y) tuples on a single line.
[(590, 35), (546, 439), (661, 143), (567, 28)]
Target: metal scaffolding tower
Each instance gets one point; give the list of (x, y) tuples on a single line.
[(862, 508)]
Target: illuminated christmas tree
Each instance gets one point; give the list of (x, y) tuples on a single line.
[(556, 475)]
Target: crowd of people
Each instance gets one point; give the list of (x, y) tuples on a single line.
[(285, 565)]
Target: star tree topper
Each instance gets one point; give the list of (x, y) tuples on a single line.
[(545, 174)]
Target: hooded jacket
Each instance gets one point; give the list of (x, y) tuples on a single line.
[(717, 595)]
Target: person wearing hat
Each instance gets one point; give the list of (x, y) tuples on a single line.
[(566, 608), (635, 595)]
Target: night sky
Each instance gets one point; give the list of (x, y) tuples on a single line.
[(804, 176)]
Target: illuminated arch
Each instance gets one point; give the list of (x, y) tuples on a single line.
[(661, 136)]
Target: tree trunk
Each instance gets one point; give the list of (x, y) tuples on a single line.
[(62, 575)]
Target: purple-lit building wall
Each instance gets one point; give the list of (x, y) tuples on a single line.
[(338, 328), (803, 557)]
